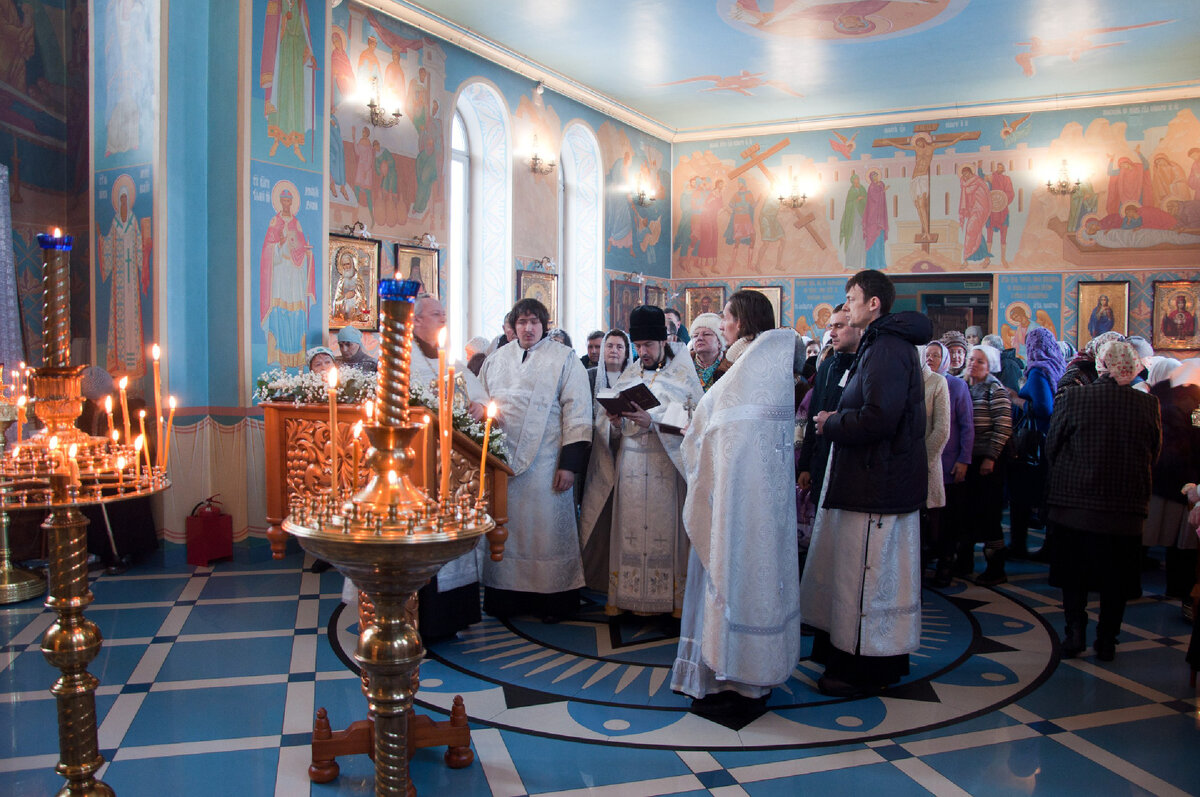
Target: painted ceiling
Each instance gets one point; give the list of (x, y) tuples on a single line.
[(719, 66)]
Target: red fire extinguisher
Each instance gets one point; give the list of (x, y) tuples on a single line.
[(209, 532)]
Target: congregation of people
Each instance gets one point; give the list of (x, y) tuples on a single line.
[(782, 486)]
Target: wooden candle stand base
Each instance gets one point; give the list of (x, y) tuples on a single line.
[(359, 739)]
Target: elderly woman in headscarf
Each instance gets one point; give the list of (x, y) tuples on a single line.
[(1034, 403), (985, 476), (937, 432), (320, 359), (1082, 369), (1167, 524), (956, 343), (956, 459), (1101, 447)]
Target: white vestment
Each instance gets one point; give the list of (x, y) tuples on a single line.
[(465, 569), (544, 404), (648, 548), (862, 580), (741, 616)]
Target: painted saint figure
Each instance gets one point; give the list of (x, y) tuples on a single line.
[(1102, 318), (974, 207), (1180, 323), (875, 222), (740, 229), (850, 233), (288, 283), (286, 75), (1001, 195), (123, 260)]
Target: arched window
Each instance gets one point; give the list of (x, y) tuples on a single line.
[(488, 264), (581, 272), (457, 298)]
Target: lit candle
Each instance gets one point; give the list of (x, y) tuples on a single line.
[(145, 441), (441, 343), (332, 376), (358, 427), (170, 425), (120, 470), (55, 454), (72, 453), (124, 383), (369, 411), (24, 377), (137, 457), (21, 400), (447, 432), (155, 353), (487, 432), (108, 411)]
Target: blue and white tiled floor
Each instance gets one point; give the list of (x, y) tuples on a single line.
[(210, 678)]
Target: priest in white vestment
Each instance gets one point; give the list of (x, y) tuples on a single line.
[(862, 578), (450, 601), (545, 409), (636, 473), (740, 633)]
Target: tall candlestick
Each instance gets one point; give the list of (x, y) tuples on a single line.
[(73, 463), (448, 434), (21, 401), (332, 376), (120, 470), (108, 411), (138, 444), (358, 427), (56, 301), (170, 424), (124, 383), (441, 344), (155, 354), (487, 433)]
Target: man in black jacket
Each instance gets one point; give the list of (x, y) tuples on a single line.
[(862, 582), (827, 391)]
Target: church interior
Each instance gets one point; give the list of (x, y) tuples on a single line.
[(1010, 165)]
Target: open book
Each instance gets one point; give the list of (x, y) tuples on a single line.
[(620, 402), (675, 418)]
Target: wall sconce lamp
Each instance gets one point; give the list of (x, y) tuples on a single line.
[(641, 198), (536, 164), (425, 239), (637, 276), (1063, 186), (547, 263), (356, 230), (375, 111), (793, 199)]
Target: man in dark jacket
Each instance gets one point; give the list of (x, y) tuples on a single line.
[(827, 391), (862, 582)]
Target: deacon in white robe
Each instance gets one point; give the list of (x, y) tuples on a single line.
[(648, 553), (545, 408), (741, 618), (450, 601)]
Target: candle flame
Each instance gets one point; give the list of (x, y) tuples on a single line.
[(57, 232), (116, 436), (332, 377), (442, 338), (141, 413), (108, 404), (171, 402), (491, 409), (139, 443), (53, 442), (120, 463), (358, 427), (124, 383), (21, 401), (426, 418), (369, 409), (155, 352), (73, 451), (392, 478)]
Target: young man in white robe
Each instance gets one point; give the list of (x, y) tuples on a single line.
[(636, 473), (450, 601), (545, 409), (862, 580), (740, 632)]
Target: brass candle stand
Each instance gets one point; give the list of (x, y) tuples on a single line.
[(41, 473), (16, 585), (389, 539)]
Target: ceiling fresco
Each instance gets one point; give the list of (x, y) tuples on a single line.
[(701, 66)]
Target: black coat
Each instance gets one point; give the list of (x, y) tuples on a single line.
[(1102, 443), (878, 433), (1180, 460), (827, 392)]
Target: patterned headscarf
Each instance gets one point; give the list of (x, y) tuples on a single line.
[(955, 338), (1094, 345), (944, 367), (1119, 360), (1041, 351)]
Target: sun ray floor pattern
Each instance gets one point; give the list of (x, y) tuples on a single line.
[(210, 676)]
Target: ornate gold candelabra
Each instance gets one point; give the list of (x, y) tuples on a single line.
[(61, 469), (389, 539)]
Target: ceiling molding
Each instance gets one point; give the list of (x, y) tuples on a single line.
[(423, 19)]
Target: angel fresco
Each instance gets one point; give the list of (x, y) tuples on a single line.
[(1073, 45), (740, 84)]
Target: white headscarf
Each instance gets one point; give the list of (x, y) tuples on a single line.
[(992, 354), (1161, 369)]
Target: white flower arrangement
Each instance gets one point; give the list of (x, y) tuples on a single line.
[(355, 387)]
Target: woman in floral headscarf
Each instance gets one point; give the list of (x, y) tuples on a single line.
[(1102, 443), (1034, 402), (1082, 369)]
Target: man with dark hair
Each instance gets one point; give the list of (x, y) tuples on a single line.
[(595, 341), (545, 410), (862, 581), (635, 481), (676, 331), (827, 392)]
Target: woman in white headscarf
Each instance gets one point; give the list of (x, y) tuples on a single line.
[(1166, 524)]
